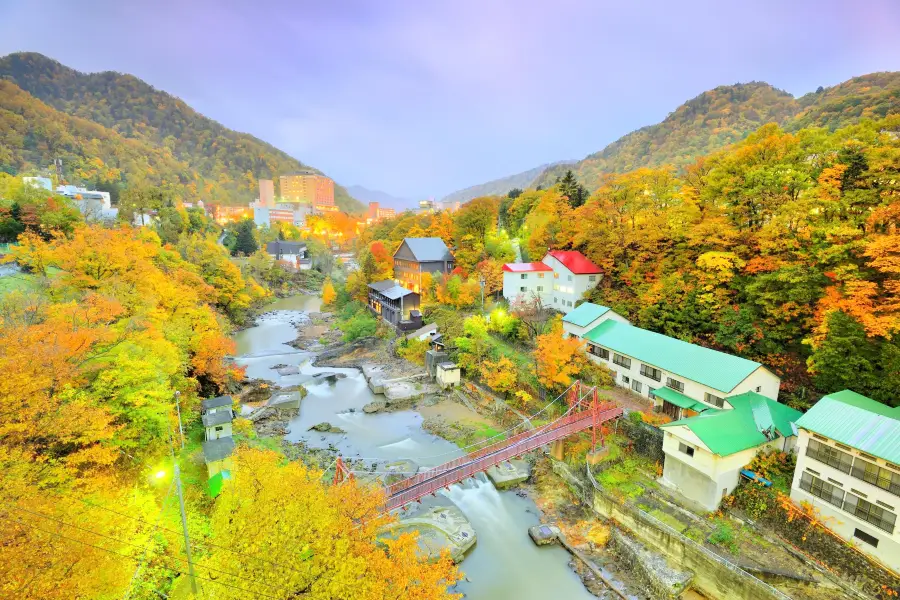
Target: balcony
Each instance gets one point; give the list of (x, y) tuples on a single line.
[(881, 478)]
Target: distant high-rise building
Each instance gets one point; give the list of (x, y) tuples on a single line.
[(426, 206), (308, 188), (266, 192), (376, 213)]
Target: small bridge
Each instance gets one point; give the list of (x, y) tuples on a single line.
[(585, 412)]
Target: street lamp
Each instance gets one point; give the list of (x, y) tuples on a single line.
[(481, 283)]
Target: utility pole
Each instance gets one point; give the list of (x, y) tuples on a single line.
[(481, 283), (178, 408), (187, 539)]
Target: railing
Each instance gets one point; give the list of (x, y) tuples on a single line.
[(834, 458), (885, 483), (427, 482), (689, 542)]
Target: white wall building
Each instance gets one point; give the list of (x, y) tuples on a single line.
[(706, 453), (676, 375), (560, 280), (848, 468)]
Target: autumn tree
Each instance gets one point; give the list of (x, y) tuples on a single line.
[(500, 375), (245, 243), (328, 293), (139, 200), (287, 533), (557, 358)]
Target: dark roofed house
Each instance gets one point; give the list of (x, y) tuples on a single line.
[(217, 454), (292, 252), (392, 302), (212, 404), (421, 255)]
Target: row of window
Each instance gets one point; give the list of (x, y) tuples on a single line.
[(525, 276), (538, 288), (851, 503), (646, 370), (565, 289), (563, 302), (859, 468)]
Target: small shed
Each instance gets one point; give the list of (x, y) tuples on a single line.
[(218, 424), (448, 374), (217, 454)]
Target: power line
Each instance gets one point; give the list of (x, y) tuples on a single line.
[(162, 510), (71, 539), (206, 543), (115, 539)]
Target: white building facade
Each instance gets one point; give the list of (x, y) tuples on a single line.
[(560, 280), (647, 362), (848, 469)]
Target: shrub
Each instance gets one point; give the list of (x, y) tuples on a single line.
[(636, 417), (413, 350), (723, 536)]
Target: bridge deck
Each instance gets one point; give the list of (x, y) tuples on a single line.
[(429, 481)]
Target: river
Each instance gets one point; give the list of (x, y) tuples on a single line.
[(504, 563)]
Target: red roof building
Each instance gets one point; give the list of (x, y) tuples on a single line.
[(525, 267), (575, 261)]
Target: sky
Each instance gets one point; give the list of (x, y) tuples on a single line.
[(419, 99)]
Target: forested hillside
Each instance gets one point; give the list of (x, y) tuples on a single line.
[(783, 248), (499, 187), (195, 155), (727, 114)]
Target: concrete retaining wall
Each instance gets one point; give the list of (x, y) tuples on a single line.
[(713, 576)]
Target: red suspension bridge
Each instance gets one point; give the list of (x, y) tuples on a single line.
[(585, 412)]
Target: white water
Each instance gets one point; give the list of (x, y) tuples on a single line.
[(504, 564)]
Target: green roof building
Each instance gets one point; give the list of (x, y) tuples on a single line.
[(681, 378), (706, 453), (848, 468)]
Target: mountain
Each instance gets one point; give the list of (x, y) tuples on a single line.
[(366, 195), (725, 115), (500, 187), (197, 155)]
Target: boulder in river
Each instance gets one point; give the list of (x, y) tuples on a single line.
[(288, 371), (375, 406), (510, 473), (326, 427), (329, 377)]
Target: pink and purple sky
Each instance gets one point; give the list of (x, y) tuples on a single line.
[(422, 98)]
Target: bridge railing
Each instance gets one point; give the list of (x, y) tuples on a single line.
[(427, 485)]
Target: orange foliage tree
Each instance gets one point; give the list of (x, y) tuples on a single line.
[(557, 358)]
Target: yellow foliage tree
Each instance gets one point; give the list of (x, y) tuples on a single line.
[(557, 358), (328, 293), (328, 540), (500, 376)]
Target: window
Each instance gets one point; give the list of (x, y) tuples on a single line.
[(821, 489), (592, 278), (620, 360), (865, 510), (652, 396), (830, 456), (219, 428), (598, 351), (555, 288), (714, 400), (570, 278), (540, 288), (865, 537), (676, 385), (654, 374), (554, 297), (625, 379), (540, 275), (685, 449), (758, 388), (570, 303), (876, 475), (636, 386), (522, 289), (556, 276), (523, 276)]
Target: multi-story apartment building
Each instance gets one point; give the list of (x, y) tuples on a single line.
[(559, 280), (377, 212), (848, 468), (416, 256), (307, 187), (676, 375), (266, 192)]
